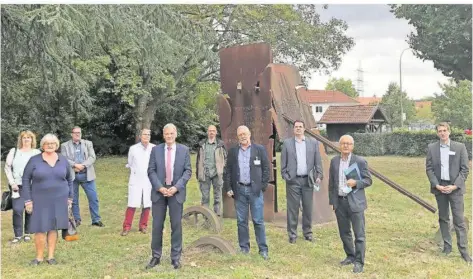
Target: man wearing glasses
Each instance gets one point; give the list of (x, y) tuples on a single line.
[(347, 197), (81, 157)]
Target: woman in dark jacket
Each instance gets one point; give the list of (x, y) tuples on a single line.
[(47, 190)]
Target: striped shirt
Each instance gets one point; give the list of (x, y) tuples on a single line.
[(342, 180)]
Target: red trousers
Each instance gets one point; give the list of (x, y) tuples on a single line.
[(130, 213)]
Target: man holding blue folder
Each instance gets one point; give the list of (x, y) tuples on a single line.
[(348, 178)]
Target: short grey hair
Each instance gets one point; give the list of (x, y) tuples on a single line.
[(50, 138), (144, 130), (243, 127), (347, 136), (170, 125)]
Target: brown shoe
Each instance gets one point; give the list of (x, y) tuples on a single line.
[(144, 230), (125, 232)]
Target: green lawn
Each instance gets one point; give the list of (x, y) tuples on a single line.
[(400, 238)]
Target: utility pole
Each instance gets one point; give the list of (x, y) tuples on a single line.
[(400, 85)]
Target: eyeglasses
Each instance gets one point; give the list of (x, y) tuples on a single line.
[(146, 134), (76, 133), (49, 143), (346, 143)]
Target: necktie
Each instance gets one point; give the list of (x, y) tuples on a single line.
[(168, 167)]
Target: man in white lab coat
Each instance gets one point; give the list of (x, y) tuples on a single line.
[(139, 187)]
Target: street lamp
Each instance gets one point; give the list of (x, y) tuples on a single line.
[(400, 85)]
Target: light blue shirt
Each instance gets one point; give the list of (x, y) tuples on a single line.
[(301, 157), (244, 164), (444, 161)]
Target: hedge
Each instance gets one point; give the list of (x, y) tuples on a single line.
[(402, 143)]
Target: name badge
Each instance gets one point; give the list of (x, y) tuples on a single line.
[(451, 153), (257, 162)]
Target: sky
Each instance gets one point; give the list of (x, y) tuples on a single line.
[(379, 39)]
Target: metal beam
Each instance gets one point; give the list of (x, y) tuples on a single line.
[(374, 172)]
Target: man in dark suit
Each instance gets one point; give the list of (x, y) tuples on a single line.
[(247, 176), (447, 170), (347, 197), (168, 171), (299, 156)]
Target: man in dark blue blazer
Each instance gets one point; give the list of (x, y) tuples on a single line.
[(247, 176), (347, 197), (168, 171)]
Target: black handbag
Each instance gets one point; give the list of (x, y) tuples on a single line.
[(6, 201)]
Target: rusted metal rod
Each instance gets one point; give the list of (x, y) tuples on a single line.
[(373, 172)]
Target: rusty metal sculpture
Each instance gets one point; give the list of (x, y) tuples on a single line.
[(265, 97)]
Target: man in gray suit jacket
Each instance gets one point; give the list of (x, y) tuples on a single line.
[(347, 197), (81, 157), (447, 170), (168, 171), (299, 156)]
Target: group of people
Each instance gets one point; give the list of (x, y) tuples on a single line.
[(159, 175), (45, 184)]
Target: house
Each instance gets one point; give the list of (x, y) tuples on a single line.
[(423, 104), (321, 100), (341, 120), (369, 100)]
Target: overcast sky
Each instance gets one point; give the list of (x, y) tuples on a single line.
[(379, 39)]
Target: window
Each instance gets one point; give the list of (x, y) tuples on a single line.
[(318, 109)]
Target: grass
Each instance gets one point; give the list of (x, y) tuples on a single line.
[(399, 233)]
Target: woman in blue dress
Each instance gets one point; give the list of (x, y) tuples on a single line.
[(47, 191)]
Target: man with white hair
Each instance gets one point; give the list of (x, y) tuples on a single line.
[(347, 197), (169, 170), (247, 176)]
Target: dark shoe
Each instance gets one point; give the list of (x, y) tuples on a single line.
[(292, 240), (176, 264), (347, 261), (467, 258), (77, 223), (265, 255), (52, 261), (98, 224), (447, 250), (35, 262), (144, 230), (154, 262), (125, 232), (309, 238), (358, 268)]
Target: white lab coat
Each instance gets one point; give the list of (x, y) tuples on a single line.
[(139, 186)]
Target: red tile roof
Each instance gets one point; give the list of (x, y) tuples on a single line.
[(325, 96), (421, 104), (368, 100), (358, 114)]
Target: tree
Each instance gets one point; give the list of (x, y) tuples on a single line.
[(144, 64), (342, 85), (443, 35), (391, 105), (454, 104)]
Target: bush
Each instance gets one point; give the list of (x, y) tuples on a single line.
[(403, 143)]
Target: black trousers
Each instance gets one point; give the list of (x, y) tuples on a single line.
[(455, 202), (346, 220), (159, 209), (18, 212)]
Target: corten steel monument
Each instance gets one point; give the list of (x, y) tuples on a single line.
[(265, 97)]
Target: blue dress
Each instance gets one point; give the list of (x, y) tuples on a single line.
[(49, 188)]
